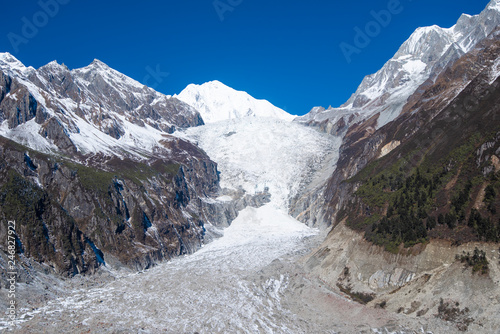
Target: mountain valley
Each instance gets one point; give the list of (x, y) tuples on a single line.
[(213, 212)]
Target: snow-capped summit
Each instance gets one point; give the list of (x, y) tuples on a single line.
[(217, 102), (6, 57), (494, 4), (426, 53), (10, 64), (98, 68)]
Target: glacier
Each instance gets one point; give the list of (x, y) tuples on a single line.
[(259, 153), (249, 280)]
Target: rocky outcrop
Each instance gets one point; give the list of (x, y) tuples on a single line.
[(17, 104), (118, 94), (55, 131)]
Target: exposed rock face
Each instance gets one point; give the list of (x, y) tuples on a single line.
[(55, 131), (74, 218), (17, 104), (414, 283)]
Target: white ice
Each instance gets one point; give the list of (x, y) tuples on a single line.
[(259, 153)]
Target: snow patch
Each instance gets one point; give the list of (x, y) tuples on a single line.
[(495, 71), (27, 134), (414, 67), (225, 198), (494, 4)]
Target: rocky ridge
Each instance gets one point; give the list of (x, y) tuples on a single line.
[(91, 110)]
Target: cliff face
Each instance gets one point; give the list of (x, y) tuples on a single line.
[(74, 217), (424, 284)]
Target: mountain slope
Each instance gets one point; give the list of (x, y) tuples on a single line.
[(72, 218), (414, 203), (217, 102), (358, 119), (455, 138)]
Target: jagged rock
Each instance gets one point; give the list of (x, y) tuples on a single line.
[(55, 131), (97, 97)]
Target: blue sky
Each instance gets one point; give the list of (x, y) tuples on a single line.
[(287, 52)]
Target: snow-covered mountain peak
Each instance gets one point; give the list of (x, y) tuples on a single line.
[(97, 70), (216, 84), (7, 57), (11, 64), (494, 4), (422, 57), (217, 102), (90, 110), (97, 64), (53, 63), (466, 33), (425, 43), (95, 67), (54, 67)]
